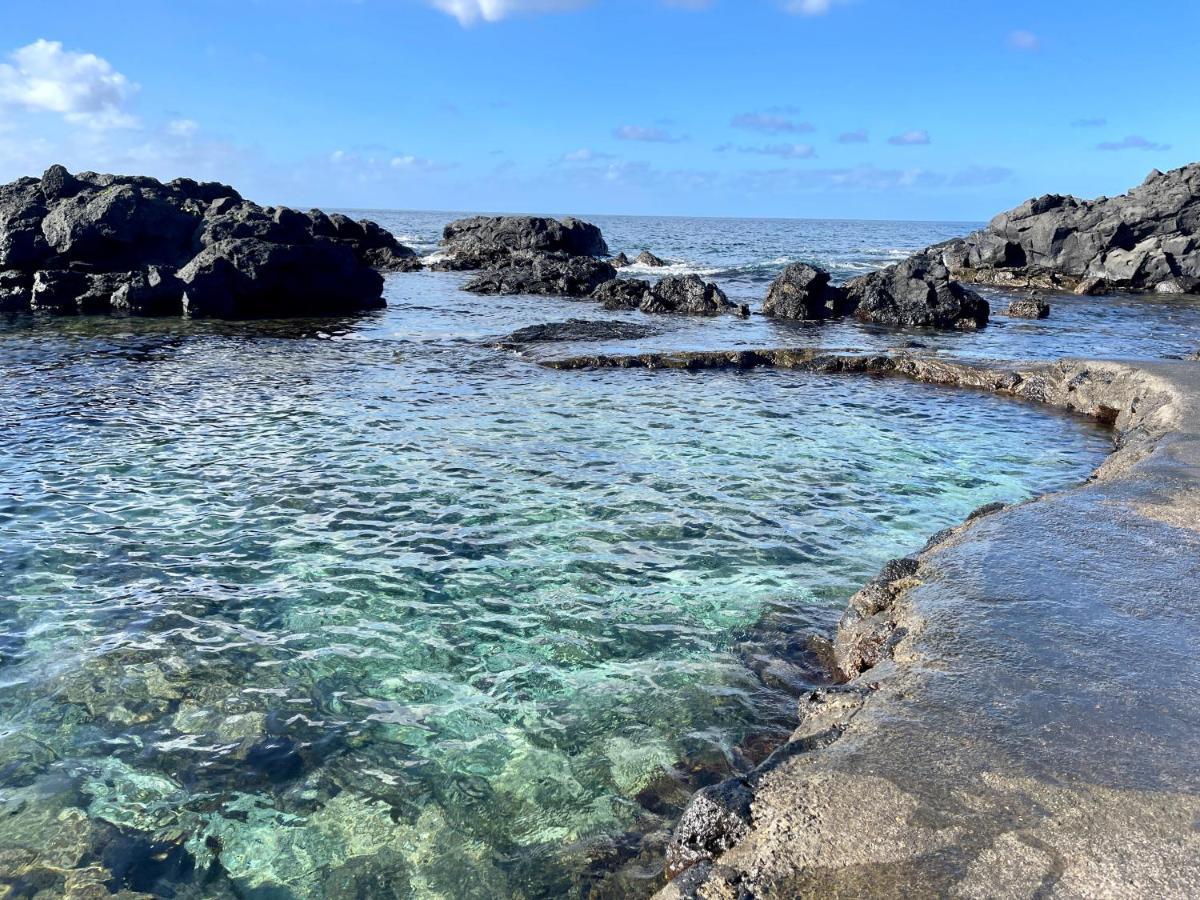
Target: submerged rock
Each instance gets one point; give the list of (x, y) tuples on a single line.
[(646, 258), (715, 820), (803, 292), (543, 273), (914, 293), (1031, 307), (486, 238), (578, 330), (1144, 240), (92, 243)]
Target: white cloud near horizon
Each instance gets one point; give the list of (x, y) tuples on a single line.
[(1132, 142), (652, 135), (915, 137), (810, 7), (770, 123), (468, 12), (81, 87)]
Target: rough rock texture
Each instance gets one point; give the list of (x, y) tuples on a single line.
[(620, 261), (803, 292), (623, 293), (689, 294), (915, 293), (92, 243), (1032, 307), (481, 240), (1017, 718), (555, 274), (1145, 240), (577, 330), (646, 258)]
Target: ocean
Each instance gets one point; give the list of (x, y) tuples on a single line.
[(370, 607)]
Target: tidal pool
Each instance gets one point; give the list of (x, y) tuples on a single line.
[(372, 609)]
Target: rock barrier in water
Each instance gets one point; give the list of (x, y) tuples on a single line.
[(91, 243)]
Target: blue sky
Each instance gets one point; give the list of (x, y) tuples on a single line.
[(804, 108)]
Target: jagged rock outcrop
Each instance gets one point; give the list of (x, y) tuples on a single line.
[(620, 261), (689, 294), (556, 274), (481, 241), (623, 293), (1143, 240), (915, 293), (646, 258), (91, 243), (803, 292), (1032, 307), (686, 294)]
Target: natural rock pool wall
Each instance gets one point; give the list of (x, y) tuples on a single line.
[(1017, 714)]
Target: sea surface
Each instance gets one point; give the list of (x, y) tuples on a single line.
[(370, 608)]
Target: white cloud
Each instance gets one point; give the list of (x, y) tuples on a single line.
[(585, 154), (649, 134), (911, 138), (1024, 40), (81, 87), (468, 12), (783, 151), (769, 123), (810, 7), (1132, 142), (183, 128)]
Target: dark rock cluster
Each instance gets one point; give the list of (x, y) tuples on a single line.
[(913, 293), (92, 243), (1144, 240), (532, 255)]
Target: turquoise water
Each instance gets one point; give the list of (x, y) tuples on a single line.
[(369, 608)]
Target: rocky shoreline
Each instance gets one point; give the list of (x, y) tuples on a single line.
[(1014, 713)]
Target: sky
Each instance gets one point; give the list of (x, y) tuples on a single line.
[(885, 109)]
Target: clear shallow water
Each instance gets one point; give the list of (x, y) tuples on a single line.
[(368, 608)]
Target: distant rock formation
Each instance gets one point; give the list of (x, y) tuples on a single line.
[(481, 241), (532, 272), (1145, 240), (914, 293), (92, 243)]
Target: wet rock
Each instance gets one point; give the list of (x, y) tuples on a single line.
[(247, 278), (1143, 240), (577, 330), (646, 258), (689, 294), (803, 292), (92, 243), (915, 293), (868, 628), (543, 273), (623, 293), (715, 820), (1032, 307), (485, 238), (620, 261)]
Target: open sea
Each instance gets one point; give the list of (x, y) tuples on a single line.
[(370, 608)]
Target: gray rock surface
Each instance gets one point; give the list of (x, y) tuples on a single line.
[(578, 330), (555, 274), (623, 293), (915, 293), (1147, 239), (1017, 717), (620, 261), (91, 243), (1032, 307), (480, 240), (689, 294), (646, 258), (803, 292)]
